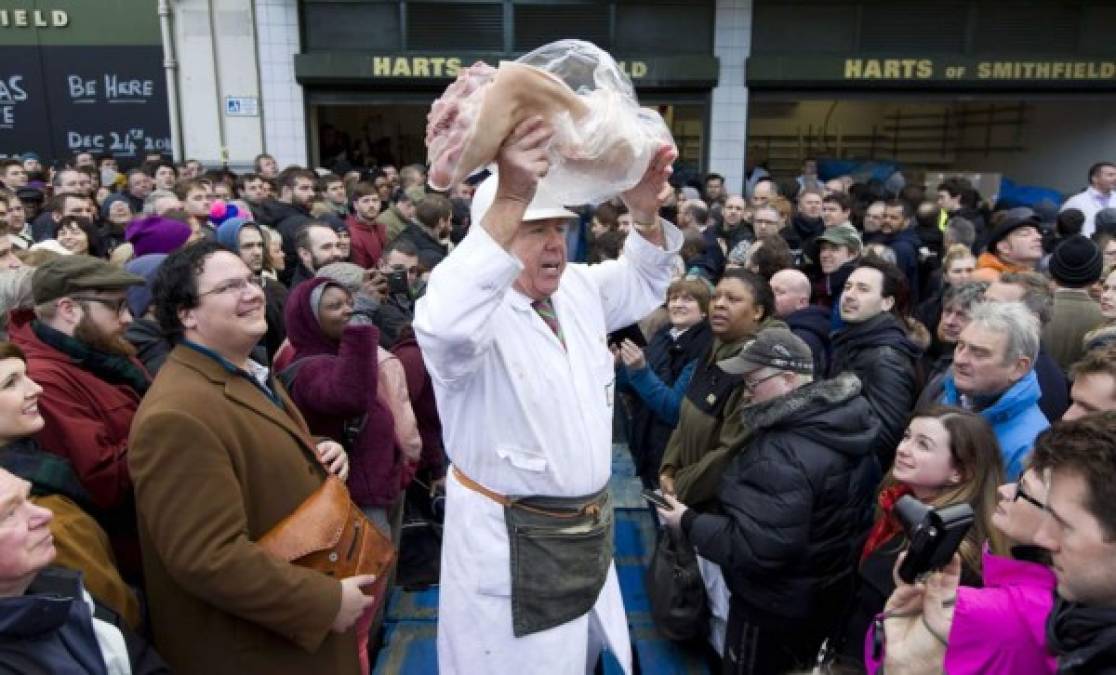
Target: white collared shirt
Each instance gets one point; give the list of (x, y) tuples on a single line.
[(1090, 202)]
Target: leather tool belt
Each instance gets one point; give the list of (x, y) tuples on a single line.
[(561, 551)]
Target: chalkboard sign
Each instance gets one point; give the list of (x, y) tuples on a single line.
[(59, 100)]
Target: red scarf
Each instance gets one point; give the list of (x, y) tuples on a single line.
[(888, 525)]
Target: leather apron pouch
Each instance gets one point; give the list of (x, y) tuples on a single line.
[(561, 551)]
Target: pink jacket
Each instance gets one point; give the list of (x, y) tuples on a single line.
[(999, 629), (392, 389)]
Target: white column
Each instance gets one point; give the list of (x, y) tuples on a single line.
[(283, 102), (732, 43), (216, 54)]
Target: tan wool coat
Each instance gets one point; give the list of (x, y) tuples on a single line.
[(216, 464)]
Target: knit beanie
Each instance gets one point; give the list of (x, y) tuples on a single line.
[(1076, 262), (349, 275), (156, 234), (106, 206), (228, 233)]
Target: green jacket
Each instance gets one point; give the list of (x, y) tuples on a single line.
[(394, 221), (702, 445), (1075, 314)]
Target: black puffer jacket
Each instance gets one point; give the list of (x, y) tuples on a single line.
[(797, 499), (879, 352), (288, 219)]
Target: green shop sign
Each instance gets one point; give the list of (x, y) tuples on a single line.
[(930, 72), (78, 23), (348, 68)]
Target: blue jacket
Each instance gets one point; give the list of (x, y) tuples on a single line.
[(662, 399), (659, 389), (1015, 417)]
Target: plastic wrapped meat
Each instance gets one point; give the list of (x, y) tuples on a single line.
[(603, 140)]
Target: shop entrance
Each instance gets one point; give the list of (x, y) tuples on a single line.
[(371, 135), (1025, 139), (370, 132)]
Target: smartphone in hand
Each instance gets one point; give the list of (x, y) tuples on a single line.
[(657, 499)]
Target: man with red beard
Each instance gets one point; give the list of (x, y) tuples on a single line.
[(91, 380)]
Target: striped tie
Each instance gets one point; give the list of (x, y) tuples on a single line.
[(545, 309)]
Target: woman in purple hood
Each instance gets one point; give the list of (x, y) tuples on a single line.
[(332, 378)]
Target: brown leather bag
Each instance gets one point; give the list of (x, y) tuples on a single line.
[(328, 533)]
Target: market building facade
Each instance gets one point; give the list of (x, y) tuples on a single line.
[(964, 85)]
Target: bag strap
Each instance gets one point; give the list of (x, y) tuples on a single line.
[(592, 509), (289, 374)]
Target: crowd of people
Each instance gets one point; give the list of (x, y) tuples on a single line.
[(189, 354)]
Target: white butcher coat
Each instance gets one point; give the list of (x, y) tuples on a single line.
[(522, 416)]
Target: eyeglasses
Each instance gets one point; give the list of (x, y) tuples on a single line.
[(751, 385), (237, 285), (1020, 494), (117, 305)]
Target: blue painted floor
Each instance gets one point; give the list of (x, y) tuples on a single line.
[(411, 622)]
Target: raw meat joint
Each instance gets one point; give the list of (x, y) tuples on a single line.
[(603, 140)]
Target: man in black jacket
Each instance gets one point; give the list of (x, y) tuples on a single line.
[(290, 212), (720, 240), (874, 346), (809, 322), (896, 233), (1080, 533), (796, 503), (836, 252)]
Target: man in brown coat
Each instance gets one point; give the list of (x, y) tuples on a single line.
[(219, 455)]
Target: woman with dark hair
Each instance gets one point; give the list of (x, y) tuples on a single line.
[(946, 456), (78, 236), (710, 427), (658, 376)]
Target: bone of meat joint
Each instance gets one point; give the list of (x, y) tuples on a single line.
[(470, 121)]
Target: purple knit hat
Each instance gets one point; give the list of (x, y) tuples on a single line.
[(156, 234)]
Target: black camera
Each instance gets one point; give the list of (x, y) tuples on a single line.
[(934, 535), (397, 282)]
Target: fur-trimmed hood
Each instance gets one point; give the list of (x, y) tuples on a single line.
[(831, 411), (918, 333)]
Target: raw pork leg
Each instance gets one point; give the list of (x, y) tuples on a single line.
[(457, 140)]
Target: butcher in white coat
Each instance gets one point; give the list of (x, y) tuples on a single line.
[(526, 407)]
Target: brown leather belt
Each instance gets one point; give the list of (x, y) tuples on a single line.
[(591, 509)]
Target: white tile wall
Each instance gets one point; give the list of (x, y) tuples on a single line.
[(283, 103), (732, 42)]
